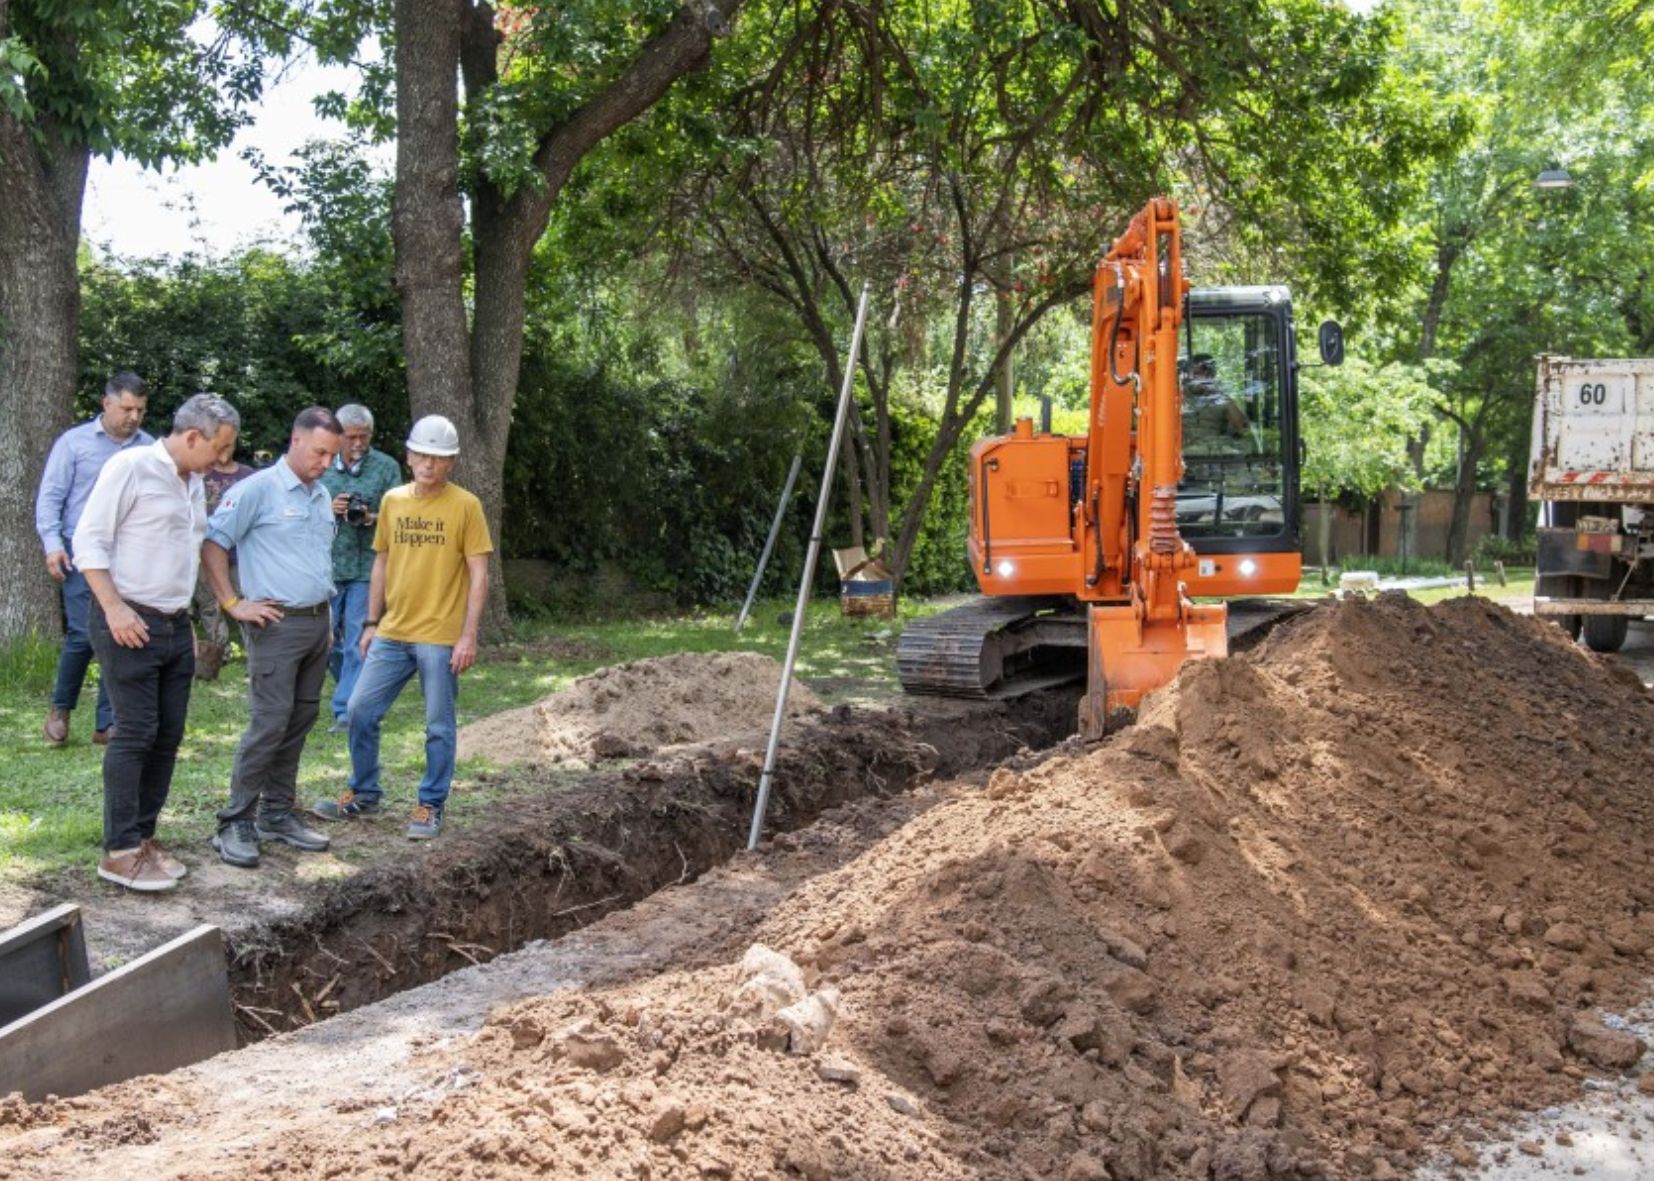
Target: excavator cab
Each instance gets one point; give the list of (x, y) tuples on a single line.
[(1237, 503)]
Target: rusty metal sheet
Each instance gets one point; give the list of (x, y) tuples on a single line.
[(41, 960), (1632, 607), (163, 1010), (1593, 431)]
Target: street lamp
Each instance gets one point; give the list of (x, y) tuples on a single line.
[(1554, 178)]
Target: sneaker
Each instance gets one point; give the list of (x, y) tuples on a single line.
[(136, 869), (290, 830), (170, 865), (346, 807), (237, 844), (102, 737), (56, 728), (339, 726), (426, 823)]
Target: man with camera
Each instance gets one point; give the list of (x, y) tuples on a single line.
[(357, 481)]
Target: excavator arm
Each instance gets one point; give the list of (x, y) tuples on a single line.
[(1140, 623)]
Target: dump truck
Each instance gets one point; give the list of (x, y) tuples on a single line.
[(1592, 473)]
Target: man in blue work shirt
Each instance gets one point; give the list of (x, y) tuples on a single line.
[(280, 523), (71, 469), (357, 481)]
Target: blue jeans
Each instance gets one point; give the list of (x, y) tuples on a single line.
[(77, 652), (390, 665), (350, 607)]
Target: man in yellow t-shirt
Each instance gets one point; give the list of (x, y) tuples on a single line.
[(425, 601)]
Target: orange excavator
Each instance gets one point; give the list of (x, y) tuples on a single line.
[(1093, 549)]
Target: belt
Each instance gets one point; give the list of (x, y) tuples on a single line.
[(156, 612), (312, 609)]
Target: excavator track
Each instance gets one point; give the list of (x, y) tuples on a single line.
[(991, 649), (994, 648)]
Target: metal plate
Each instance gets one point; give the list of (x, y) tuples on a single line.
[(41, 960), (163, 1010)]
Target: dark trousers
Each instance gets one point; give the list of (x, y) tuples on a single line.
[(76, 656), (150, 688), (286, 664)]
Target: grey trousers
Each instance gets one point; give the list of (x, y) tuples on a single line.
[(286, 664)]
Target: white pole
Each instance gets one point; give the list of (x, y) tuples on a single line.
[(809, 574), (769, 542)]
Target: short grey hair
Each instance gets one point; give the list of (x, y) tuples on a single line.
[(354, 415), (124, 381), (207, 413)]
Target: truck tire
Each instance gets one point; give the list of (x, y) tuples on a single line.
[(1603, 633), (1606, 633)]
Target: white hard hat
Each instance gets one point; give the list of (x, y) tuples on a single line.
[(434, 435)]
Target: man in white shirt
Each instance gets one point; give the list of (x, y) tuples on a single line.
[(139, 544)]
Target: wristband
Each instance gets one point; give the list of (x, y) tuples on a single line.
[(370, 623), (229, 603)]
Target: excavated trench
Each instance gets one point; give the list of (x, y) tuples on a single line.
[(557, 861)]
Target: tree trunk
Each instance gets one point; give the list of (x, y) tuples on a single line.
[(1464, 490), (1006, 386), (1323, 532), (42, 183), (1516, 491), (469, 372)]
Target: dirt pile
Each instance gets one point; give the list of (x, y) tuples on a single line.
[(1327, 898), (1324, 899), (637, 708)]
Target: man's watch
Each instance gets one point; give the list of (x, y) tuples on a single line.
[(370, 623)]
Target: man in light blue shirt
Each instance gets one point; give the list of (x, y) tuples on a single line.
[(280, 523), (71, 469)]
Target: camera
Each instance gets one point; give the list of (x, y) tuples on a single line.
[(357, 509)]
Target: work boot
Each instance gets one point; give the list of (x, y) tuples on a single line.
[(136, 869), (426, 823), (102, 737), (237, 844), (57, 726), (170, 865), (290, 830), (347, 807)]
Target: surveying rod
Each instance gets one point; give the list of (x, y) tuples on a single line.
[(809, 573)]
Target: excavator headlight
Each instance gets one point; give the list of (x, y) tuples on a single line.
[(1248, 567), (1005, 568)]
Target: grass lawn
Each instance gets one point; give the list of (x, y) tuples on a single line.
[(51, 800)]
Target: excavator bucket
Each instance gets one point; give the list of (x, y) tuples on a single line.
[(1131, 656)]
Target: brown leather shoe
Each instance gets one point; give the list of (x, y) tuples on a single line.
[(57, 726), (170, 865), (136, 869), (102, 737)]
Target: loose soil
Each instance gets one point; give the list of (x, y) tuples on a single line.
[(1328, 904), (638, 708), (561, 860)]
